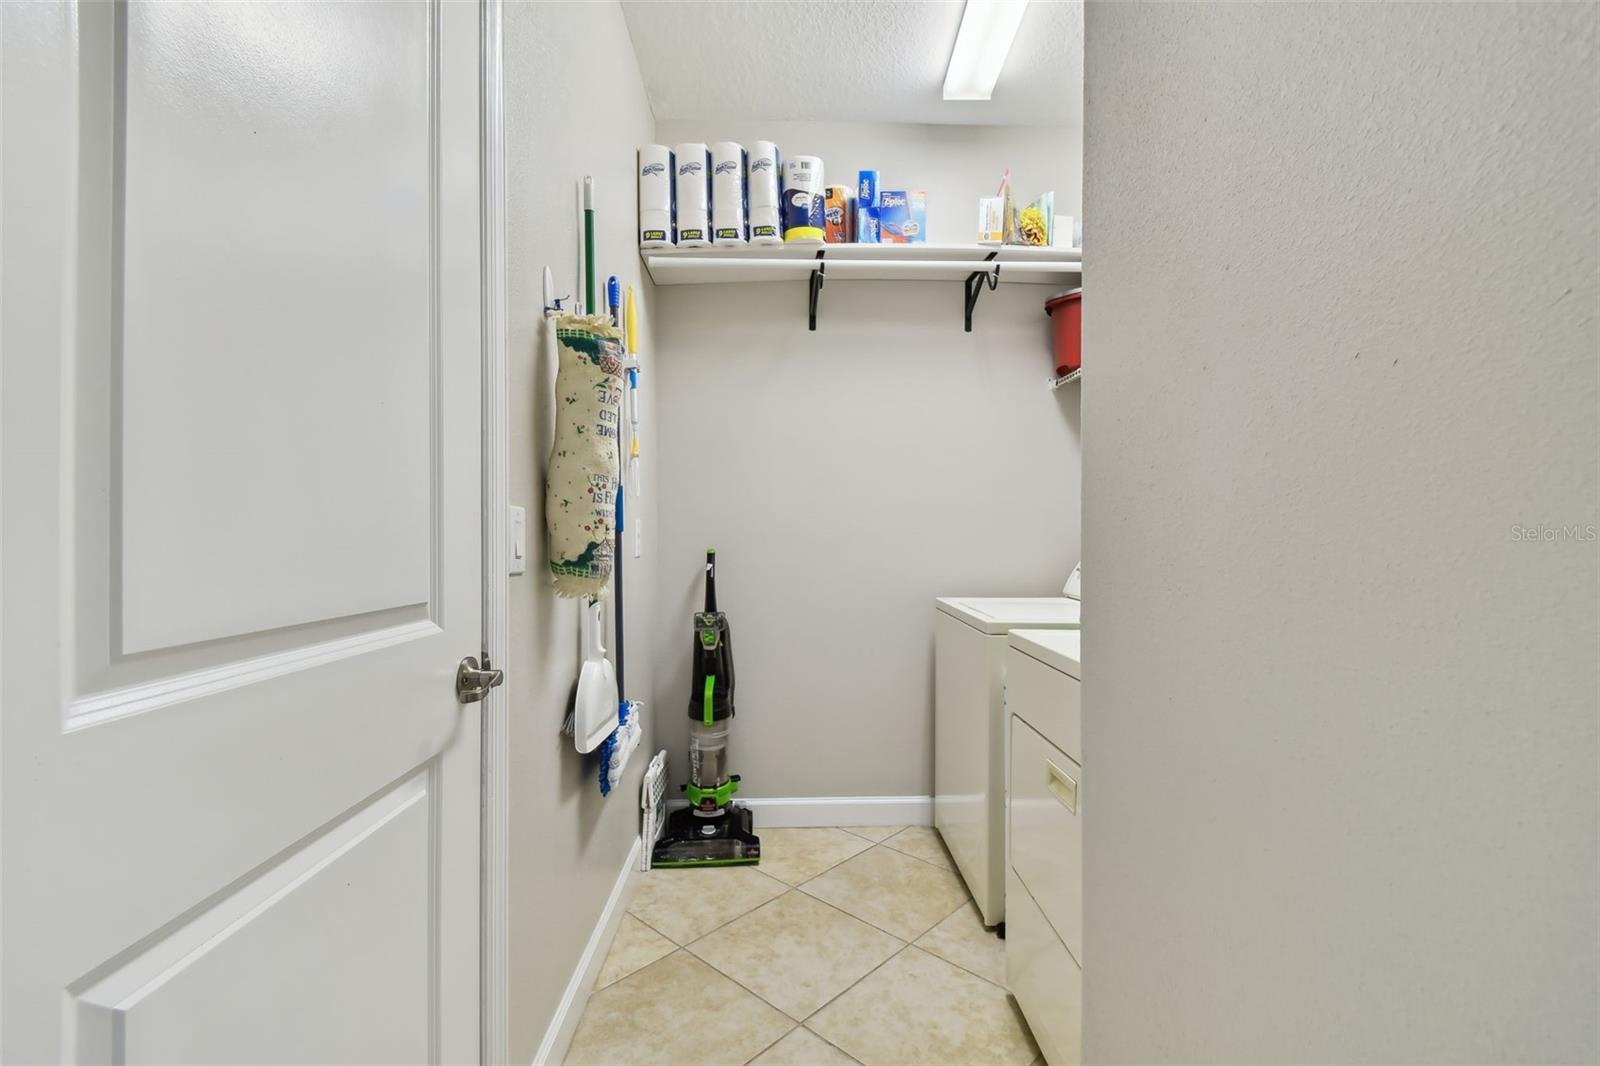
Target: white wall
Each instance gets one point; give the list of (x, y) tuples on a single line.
[(566, 116), (1340, 722), (850, 475)]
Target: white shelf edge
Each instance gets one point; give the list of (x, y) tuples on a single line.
[(1005, 253), (1065, 379), (713, 266)]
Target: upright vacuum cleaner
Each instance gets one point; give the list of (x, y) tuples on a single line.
[(712, 830)]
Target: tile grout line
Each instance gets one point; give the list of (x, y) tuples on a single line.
[(776, 1042), (807, 1026), (790, 888), (684, 950), (963, 969), (825, 1040), (865, 922), (925, 862), (904, 943), (635, 973), (801, 1021), (841, 862), (689, 947), (851, 829), (629, 914), (952, 962), (851, 987), (787, 888), (804, 1022), (874, 924), (653, 929), (964, 900), (938, 866)]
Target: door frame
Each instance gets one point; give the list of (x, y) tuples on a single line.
[(494, 862)]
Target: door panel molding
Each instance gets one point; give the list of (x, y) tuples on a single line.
[(152, 695), (109, 1009), (107, 667)]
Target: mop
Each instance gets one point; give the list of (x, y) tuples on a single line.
[(581, 489), (581, 485), (620, 744)]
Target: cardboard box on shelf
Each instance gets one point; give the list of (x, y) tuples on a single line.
[(902, 216)]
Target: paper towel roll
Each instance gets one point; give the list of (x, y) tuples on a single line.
[(656, 179), (728, 202), (803, 194), (766, 208), (694, 194)]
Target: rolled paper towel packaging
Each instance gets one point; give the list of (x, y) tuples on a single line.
[(656, 181), (694, 194), (803, 194), (581, 486), (728, 201), (766, 209)]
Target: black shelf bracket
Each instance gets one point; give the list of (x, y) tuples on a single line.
[(975, 282), (816, 287)]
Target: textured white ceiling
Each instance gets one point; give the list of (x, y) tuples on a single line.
[(848, 60)]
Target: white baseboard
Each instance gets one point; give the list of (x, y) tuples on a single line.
[(793, 811), (558, 1036)]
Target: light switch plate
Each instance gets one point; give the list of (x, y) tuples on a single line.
[(518, 540)]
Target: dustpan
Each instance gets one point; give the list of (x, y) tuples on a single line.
[(595, 712)]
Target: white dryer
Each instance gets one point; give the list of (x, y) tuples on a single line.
[(969, 731)]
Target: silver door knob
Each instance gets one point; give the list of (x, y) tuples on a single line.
[(473, 682)]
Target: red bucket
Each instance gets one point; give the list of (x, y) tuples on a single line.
[(1066, 323)]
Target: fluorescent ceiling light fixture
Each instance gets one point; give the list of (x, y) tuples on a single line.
[(987, 29)]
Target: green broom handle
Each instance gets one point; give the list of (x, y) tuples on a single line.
[(588, 245)]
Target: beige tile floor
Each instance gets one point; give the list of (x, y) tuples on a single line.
[(842, 946)]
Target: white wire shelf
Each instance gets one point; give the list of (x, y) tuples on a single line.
[(863, 262), (976, 266), (1065, 379)]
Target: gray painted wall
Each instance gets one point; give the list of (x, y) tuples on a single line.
[(567, 114), (1340, 721), (850, 475)]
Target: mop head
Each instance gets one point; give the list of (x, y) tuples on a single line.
[(728, 839), (615, 749), (581, 488)]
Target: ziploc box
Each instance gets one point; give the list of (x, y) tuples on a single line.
[(902, 217), (867, 207), (866, 224), (839, 215), (867, 189)]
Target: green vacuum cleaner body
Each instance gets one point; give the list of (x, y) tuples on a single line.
[(712, 830)]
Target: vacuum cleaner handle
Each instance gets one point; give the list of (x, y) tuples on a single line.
[(711, 581)]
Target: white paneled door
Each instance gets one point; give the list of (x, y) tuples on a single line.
[(239, 532)]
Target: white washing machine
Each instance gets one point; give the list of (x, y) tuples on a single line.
[(969, 731)]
